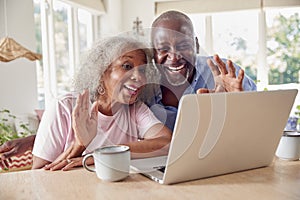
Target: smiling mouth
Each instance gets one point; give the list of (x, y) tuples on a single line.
[(175, 69), (131, 89)]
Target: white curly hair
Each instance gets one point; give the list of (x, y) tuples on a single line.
[(100, 57)]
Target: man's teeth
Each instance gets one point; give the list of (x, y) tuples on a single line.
[(131, 88), (176, 68)]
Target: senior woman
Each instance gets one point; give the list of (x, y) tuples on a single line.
[(106, 112)]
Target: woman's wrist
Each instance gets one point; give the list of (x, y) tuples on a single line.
[(80, 146)]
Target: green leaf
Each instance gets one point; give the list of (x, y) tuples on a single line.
[(7, 130)]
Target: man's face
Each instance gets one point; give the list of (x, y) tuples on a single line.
[(174, 51)]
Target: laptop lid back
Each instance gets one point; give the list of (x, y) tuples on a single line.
[(220, 133)]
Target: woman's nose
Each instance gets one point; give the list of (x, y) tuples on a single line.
[(137, 75)]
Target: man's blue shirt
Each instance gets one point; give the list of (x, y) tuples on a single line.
[(203, 78)]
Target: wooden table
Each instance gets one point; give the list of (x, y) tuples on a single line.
[(279, 181)]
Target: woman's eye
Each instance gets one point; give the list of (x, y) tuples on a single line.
[(127, 66), (163, 49)]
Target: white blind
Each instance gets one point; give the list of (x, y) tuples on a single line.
[(94, 6), (204, 6), (281, 3)]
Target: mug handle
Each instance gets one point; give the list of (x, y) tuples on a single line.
[(84, 162)]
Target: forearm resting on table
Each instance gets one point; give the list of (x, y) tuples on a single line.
[(75, 150), (30, 141), (17, 146)]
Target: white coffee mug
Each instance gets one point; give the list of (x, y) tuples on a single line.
[(111, 162), (289, 146)]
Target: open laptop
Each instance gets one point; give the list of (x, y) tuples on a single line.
[(220, 133)]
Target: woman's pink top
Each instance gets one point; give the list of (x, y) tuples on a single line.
[(55, 133)]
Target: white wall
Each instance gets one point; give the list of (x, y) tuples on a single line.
[(120, 15), (111, 21), (136, 8), (18, 90), (18, 78)]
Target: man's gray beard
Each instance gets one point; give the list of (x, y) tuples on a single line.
[(178, 83)]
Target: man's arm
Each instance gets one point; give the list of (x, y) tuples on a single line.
[(14, 148), (225, 78)]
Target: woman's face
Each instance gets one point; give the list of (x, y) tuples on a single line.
[(125, 77)]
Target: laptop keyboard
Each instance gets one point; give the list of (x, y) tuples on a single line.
[(162, 169)]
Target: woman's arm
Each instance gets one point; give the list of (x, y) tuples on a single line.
[(67, 159), (155, 143), (38, 162), (84, 125), (55, 133)]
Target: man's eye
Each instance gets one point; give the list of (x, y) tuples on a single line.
[(184, 47), (127, 66)]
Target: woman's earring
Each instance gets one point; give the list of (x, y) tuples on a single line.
[(101, 90)]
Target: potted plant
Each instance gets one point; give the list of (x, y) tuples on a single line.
[(297, 113)]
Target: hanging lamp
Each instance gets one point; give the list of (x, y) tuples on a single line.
[(11, 50)]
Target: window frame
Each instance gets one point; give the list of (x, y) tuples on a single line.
[(262, 65), (48, 42), (210, 7)]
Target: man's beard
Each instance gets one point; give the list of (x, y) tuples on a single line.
[(179, 79)]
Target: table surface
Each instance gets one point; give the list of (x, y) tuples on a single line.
[(281, 180)]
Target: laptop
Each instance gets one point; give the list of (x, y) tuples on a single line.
[(221, 133)]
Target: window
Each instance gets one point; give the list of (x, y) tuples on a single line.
[(199, 21), (231, 37), (85, 36), (283, 45), (237, 34), (237, 40), (61, 43), (68, 29), (39, 64)]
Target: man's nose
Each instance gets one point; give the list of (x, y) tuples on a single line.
[(174, 55)]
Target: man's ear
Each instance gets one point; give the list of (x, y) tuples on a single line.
[(197, 45)]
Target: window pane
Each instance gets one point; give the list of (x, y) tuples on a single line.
[(283, 45), (236, 38), (84, 21), (199, 26), (61, 46), (72, 34), (39, 63)]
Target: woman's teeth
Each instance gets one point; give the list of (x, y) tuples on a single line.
[(131, 88)]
